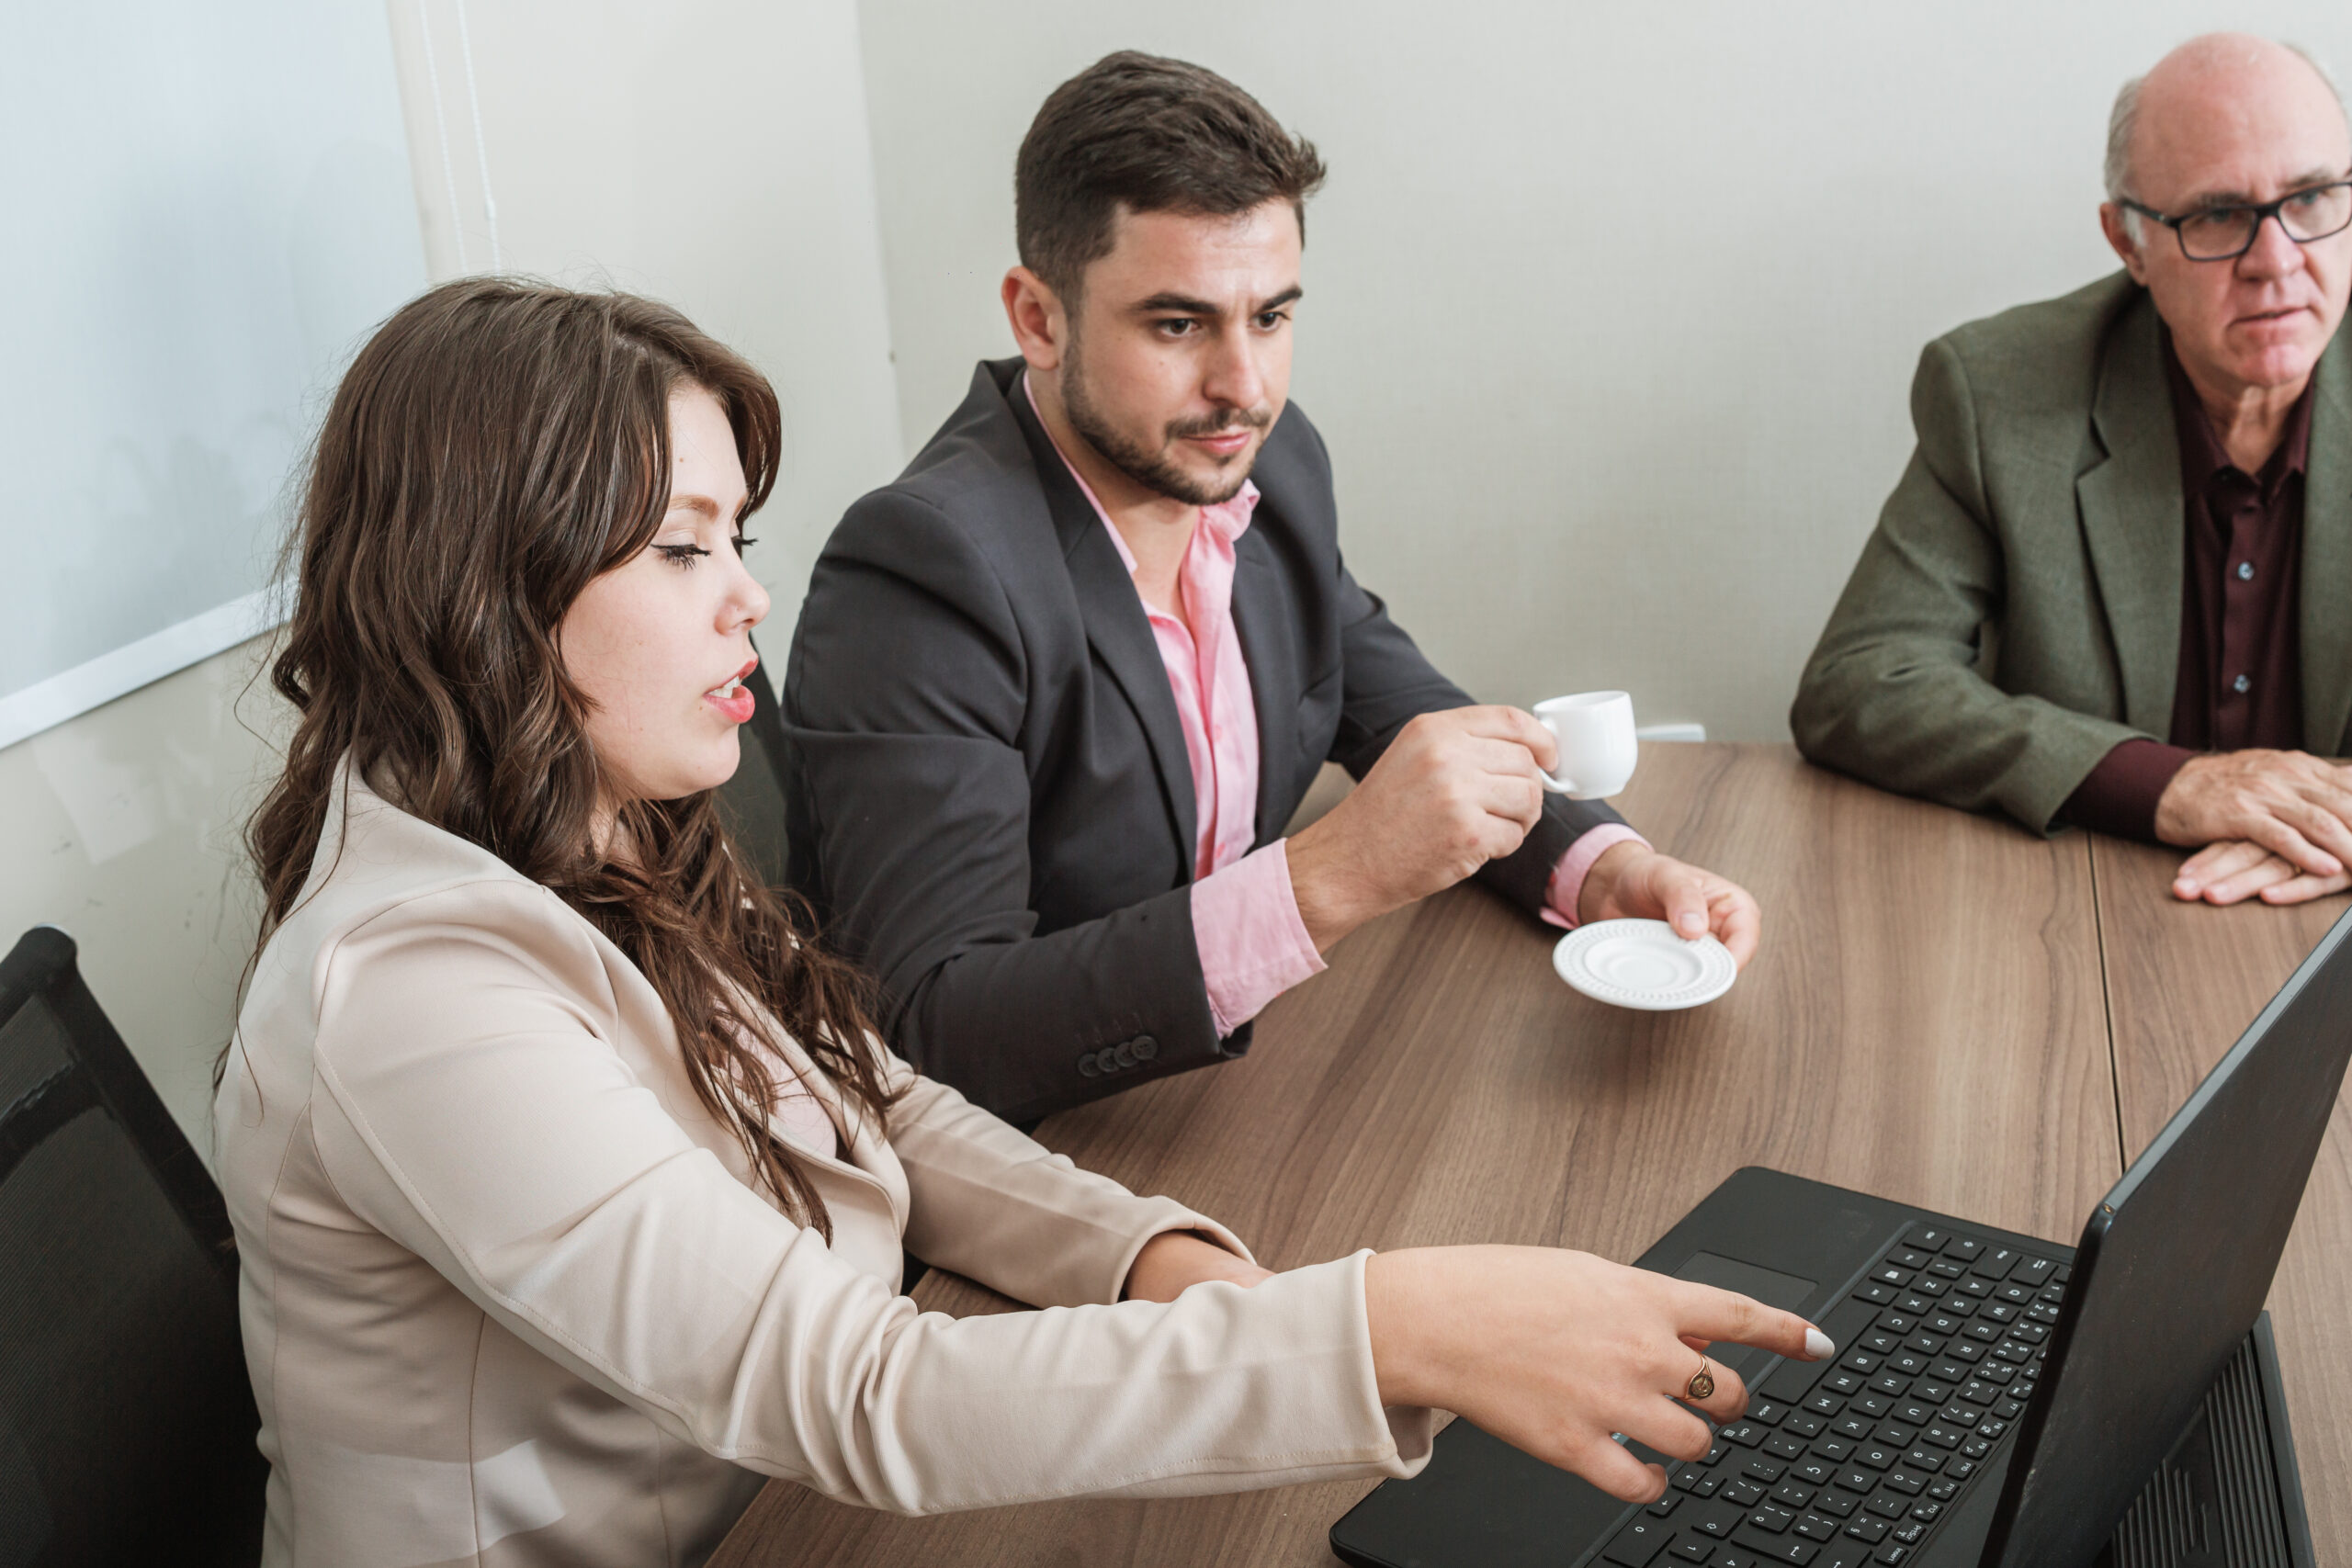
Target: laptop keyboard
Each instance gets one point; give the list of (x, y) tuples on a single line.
[(1866, 1453)]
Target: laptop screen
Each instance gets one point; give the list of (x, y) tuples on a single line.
[(2173, 1271)]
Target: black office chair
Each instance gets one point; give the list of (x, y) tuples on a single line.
[(127, 1421), (753, 798)]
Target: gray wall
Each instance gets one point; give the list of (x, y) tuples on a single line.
[(1611, 311)]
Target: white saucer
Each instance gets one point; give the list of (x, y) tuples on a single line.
[(1643, 964)]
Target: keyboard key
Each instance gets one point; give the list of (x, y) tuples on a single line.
[(2012, 1293), (1636, 1544), (1944, 1269), (1928, 1511), (2033, 1271), (1904, 1482), (1834, 1449), (1925, 1344), (1783, 1549), (1965, 1249), (1964, 1351), (1944, 1490), (1996, 1262), (1984, 1332), (1944, 1436), (1856, 1427), (1858, 1481), (1874, 1404), (1879, 1342), (1888, 1504), (1930, 1287), (1665, 1504), (1728, 1558), (1911, 1413), (1784, 1445), (1813, 1527), (1911, 1257), (2000, 1311), (1877, 1456), (1868, 1528), (1976, 1447), (1928, 1239), (1959, 1412), (1771, 1518), (1836, 1504), (1875, 1293), (1976, 1287), (1860, 1362), (1741, 1432), (1691, 1550), (1961, 1469), (1825, 1403), (1910, 1363), (1758, 1468), (1790, 1494), (2009, 1409), (1915, 1303), (1948, 1369), (1890, 1275), (1923, 1457), (1891, 1554), (1804, 1423), (1892, 1385), (1892, 1436), (1843, 1381), (1897, 1323), (1766, 1412), (1930, 1392), (1910, 1532)]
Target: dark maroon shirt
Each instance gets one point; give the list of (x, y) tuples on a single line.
[(2240, 681)]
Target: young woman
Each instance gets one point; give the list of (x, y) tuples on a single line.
[(569, 1180)]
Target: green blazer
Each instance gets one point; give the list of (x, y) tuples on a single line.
[(2017, 611)]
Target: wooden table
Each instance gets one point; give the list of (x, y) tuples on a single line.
[(1927, 1020)]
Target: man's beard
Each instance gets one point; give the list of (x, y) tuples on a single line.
[(1156, 470)]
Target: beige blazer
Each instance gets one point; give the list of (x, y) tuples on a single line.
[(510, 1298)]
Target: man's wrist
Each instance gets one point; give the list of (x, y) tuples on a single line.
[(1327, 886), (1601, 880)]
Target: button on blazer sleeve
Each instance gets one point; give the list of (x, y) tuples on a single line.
[(464, 1107), (1893, 692), (905, 705)]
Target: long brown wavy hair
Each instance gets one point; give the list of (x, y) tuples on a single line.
[(495, 445)]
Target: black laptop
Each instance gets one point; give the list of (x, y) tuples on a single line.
[(1996, 1399)]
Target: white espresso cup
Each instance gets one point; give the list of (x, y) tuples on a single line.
[(1595, 730)]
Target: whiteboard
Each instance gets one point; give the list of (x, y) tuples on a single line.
[(208, 208)]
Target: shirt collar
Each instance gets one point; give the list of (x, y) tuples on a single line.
[(1228, 520)]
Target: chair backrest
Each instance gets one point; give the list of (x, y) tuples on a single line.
[(127, 1420), (753, 798)]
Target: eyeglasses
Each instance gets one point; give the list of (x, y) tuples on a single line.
[(2224, 233)]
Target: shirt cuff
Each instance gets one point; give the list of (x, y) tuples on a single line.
[(1567, 878), (1252, 941), (2119, 795)]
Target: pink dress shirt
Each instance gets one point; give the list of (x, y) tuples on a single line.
[(1253, 945)]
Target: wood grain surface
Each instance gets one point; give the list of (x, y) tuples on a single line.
[(2184, 980), (1926, 1021)]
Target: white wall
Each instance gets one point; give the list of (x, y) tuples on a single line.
[(711, 153), (1611, 311)]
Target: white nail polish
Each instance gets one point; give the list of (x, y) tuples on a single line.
[(1818, 1346)]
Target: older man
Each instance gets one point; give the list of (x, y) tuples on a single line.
[(2114, 587)]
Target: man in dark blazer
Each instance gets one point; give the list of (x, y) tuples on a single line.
[(2114, 589), (1056, 693)]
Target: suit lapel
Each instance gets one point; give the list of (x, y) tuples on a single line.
[(1116, 628), (2327, 609), (1260, 618), (2131, 514)]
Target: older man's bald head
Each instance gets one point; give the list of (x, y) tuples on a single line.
[(2215, 81)]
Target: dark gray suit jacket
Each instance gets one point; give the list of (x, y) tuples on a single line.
[(990, 803)]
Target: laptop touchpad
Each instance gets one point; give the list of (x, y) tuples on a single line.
[(1773, 1289)]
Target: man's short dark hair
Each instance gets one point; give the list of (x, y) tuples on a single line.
[(1151, 135)]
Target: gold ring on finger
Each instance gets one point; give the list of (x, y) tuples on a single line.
[(1703, 1382)]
